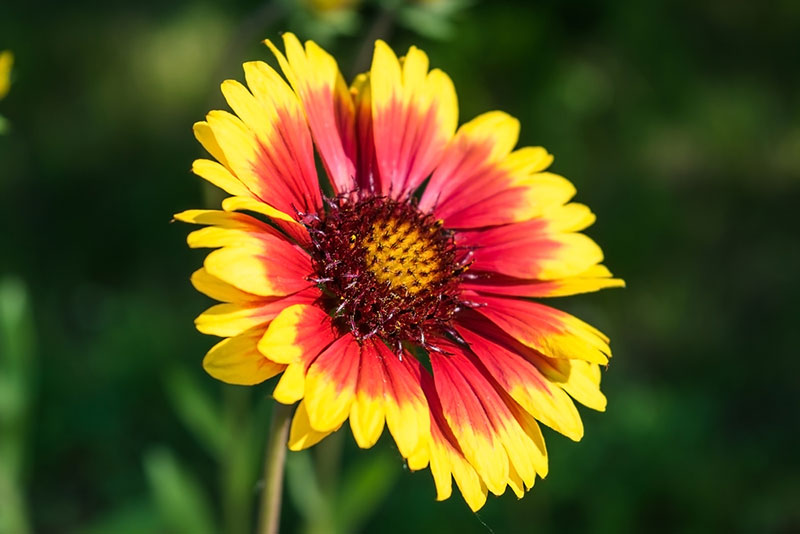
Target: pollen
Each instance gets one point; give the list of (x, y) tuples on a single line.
[(386, 268)]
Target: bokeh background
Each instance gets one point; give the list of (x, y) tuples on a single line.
[(679, 122)]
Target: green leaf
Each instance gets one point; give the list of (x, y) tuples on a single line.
[(181, 501)]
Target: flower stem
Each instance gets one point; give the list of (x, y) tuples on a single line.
[(274, 459)]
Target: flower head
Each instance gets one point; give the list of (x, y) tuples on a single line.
[(396, 288)]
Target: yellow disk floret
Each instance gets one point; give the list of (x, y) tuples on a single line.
[(402, 254)]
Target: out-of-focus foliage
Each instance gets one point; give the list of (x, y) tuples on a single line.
[(17, 392), (678, 121), (330, 506)]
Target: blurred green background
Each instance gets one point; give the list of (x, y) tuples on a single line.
[(679, 122)]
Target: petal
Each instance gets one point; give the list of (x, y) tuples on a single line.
[(302, 435), (470, 173), (331, 383), (579, 378), (526, 385), (267, 145), (217, 289), (225, 229), (230, 319), (287, 152), (292, 228), (315, 77), (367, 175), (524, 454), (367, 413), (532, 249), (292, 385), (205, 135), (595, 278), (223, 219), (221, 177), (236, 360), (420, 458), (551, 332), (243, 203), (231, 228), (267, 266), (572, 217), (505, 196), (446, 457), (479, 183), (414, 115), (536, 449), (470, 424), (407, 413), (298, 333)]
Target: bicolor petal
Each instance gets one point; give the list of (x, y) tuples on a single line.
[(447, 461), (240, 223), (296, 337), (406, 408), (224, 229), (268, 266), (231, 319), (532, 390), (368, 412), (469, 188), (298, 332), (535, 249), (267, 144), (525, 454), (292, 228), (414, 116), (468, 420), (331, 384), (552, 332), (595, 278), (328, 105)]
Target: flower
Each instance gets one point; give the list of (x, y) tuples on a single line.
[(6, 62), (399, 292)]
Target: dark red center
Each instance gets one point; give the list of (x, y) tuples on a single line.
[(386, 269)]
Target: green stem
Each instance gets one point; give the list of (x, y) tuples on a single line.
[(274, 459)]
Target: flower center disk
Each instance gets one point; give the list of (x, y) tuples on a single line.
[(386, 268)]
